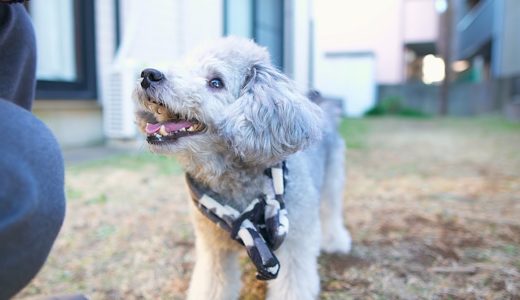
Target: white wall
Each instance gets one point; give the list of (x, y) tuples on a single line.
[(151, 32), (158, 32), (297, 38), (349, 78), (105, 42), (363, 26), (203, 21), (84, 115), (421, 21)]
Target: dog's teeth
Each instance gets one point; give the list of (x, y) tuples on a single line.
[(163, 131), (190, 129), (182, 129)]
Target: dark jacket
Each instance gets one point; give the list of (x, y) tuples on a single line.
[(32, 199)]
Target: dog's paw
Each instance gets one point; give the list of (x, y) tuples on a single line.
[(337, 242)]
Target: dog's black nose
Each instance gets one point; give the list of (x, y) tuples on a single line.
[(149, 76)]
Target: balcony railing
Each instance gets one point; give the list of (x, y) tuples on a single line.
[(475, 29)]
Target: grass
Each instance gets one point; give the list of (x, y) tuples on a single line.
[(489, 123), (354, 131), (421, 194), (132, 162)]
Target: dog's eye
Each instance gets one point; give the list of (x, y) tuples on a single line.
[(216, 83)]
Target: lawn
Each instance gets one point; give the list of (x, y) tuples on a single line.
[(433, 206)]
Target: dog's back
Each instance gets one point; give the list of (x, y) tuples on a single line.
[(327, 159), (329, 153)]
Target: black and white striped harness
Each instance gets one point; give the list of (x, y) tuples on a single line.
[(261, 227)]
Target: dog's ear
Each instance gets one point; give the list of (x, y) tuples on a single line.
[(270, 119)]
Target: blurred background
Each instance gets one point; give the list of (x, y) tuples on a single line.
[(444, 57), (430, 94)]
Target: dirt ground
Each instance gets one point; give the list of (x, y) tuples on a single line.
[(433, 206)]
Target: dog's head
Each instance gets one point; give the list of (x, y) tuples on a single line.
[(229, 99)]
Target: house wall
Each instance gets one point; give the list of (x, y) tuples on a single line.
[(298, 15), (421, 21), (106, 42), (465, 99), (349, 26), (158, 32), (509, 39), (80, 122), (75, 123), (185, 25), (374, 26), (202, 20)]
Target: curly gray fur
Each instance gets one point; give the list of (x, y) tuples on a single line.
[(256, 120)]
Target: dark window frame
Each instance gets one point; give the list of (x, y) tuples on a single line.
[(254, 22), (85, 85), (117, 20), (252, 12)]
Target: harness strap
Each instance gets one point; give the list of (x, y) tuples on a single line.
[(261, 227)]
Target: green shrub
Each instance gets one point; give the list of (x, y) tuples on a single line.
[(393, 105)]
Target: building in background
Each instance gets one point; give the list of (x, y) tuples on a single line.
[(381, 44), (487, 43), (368, 51), (92, 52), (67, 69)]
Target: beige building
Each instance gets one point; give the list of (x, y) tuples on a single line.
[(384, 28), (363, 45), (405, 48)]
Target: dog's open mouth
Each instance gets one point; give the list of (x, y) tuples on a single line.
[(175, 127)]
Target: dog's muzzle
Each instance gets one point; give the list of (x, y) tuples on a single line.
[(150, 76)]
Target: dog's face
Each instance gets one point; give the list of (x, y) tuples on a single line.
[(229, 99)]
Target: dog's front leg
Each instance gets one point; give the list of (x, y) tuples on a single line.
[(298, 278), (217, 271)]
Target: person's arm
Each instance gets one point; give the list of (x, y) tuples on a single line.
[(12, 1), (17, 55), (32, 198)]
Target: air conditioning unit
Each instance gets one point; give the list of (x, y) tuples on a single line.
[(119, 107)]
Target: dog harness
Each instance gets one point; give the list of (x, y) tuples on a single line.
[(260, 228)]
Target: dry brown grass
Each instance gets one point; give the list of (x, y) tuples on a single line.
[(433, 206)]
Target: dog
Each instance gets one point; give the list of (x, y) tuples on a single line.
[(228, 115)]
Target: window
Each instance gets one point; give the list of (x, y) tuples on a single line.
[(261, 20), (239, 18), (65, 46)]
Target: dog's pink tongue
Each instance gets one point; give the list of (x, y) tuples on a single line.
[(152, 128), (168, 126)]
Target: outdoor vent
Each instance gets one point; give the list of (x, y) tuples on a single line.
[(119, 107)]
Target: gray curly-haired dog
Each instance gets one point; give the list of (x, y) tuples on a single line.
[(234, 122)]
